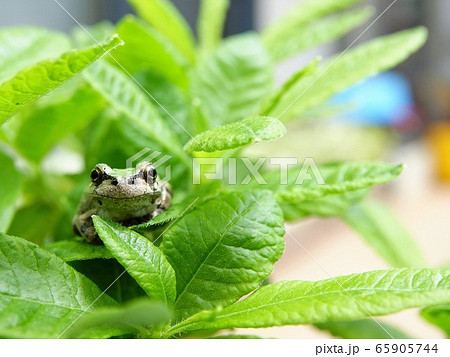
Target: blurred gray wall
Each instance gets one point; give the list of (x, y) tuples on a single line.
[(47, 13)]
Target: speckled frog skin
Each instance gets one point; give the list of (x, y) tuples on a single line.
[(125, 196)]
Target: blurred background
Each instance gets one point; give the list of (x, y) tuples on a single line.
[(399, 116)]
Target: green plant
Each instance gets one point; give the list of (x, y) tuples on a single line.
[(217, 243)]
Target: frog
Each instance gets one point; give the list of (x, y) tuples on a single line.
[(127, 196)]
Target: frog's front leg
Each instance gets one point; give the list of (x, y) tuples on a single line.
[(163, 202), (84, 226)]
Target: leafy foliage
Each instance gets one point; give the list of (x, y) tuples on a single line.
[(210, 24), (299, 302), (438, 315), (223, 249), (231, 83), (34, 82), (40, 295), (361, 329), (345, 69), (143, 261), (11, 182), (146, 48), (303, 14), (381, 230), (344, 184), (78, 249), (24, 46), (140, 316), (162, 14), (201, 264), (238, 134), (317, 32)]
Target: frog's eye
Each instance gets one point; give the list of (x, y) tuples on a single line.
[(96, 175), (149, 173)]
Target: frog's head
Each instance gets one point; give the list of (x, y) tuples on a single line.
[(125, 184)]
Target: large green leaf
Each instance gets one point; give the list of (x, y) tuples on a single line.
[(338, 178), (42, 128), (21, 47), (438, 315), (301, 15), (302, 302), (11, 182), (210, 24), (146, 48), (143, 261), (138, 317), (238, 134), (223, 249), (78, 249), (173, 102), (343, 185), (233, 81), (129, 99), (344, 70), (279, 93), (164, 16), (40, 295), (38, 80), (360, 329), (317, 32), (379, 227)]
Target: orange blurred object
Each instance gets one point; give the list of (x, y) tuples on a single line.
[(439, 139)]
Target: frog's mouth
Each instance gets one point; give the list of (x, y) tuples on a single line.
[(154, 195)]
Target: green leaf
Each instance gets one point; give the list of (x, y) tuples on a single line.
[(143, 261), (344, 184), (317, 32), (22, 47), (238, 134), (172, 99), (301, 15), (129, 99), (210, 24), (110, 277), (346, 69), (78, 249), (38, 80), (176, 210), (40, 295), (379, 227), (233, 81), (45, 126), (360, 329), (145, 48), (439, 316), (338, 178), (302, 302), (235, 337), (164, 16), (275, 98), (223, 249), (140, 316), (11, 182)]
